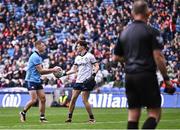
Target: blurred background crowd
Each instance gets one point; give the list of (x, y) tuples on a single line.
[(60, 23)]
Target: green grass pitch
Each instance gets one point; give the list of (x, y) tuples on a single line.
[(111, 118)]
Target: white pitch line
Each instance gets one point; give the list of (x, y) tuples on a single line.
[(83, 123), (60, 124), (62, 129), (60, 114)]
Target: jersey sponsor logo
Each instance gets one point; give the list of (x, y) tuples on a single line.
[(83, 61), (82, 64), (11, 100), (108, 101)]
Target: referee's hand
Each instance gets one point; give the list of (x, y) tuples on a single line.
[(169, 89)]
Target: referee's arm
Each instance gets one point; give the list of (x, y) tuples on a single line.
[(160, 62), (159, 57)]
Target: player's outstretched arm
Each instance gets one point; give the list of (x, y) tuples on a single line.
[(96, 67), (42, 71), (73, 70)]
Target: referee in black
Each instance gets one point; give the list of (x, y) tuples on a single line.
[(139, 46)]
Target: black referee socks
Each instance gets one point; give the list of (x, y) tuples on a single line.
[(132, 125), (150, 123)]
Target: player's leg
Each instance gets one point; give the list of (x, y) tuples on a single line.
[(152, 100), (72, 104), (29, 104), (133, 118), (42, 99), (154, 115), (85, 96), (134, 102)]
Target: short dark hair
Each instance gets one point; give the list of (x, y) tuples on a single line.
[(82, 43), (38, 42), (140, 7)]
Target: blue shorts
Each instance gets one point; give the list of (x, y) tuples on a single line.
[(80, 86), (33, 85)]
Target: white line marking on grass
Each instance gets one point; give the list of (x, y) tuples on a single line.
[(63, 129), (61, 124), (77, 123)]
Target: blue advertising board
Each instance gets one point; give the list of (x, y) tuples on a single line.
[(13, 99), (96, 100), (120, 101)]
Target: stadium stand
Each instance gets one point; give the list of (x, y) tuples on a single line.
[(59, 23)]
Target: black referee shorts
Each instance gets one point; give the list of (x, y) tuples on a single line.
[(142, 90)]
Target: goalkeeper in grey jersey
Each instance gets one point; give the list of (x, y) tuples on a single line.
[(86, 67)]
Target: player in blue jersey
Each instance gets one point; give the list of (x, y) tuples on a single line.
[(33, 81)]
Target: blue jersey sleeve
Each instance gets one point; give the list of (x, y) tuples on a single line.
[(37, 60)]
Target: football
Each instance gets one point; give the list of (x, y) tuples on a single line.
[(58, 74)]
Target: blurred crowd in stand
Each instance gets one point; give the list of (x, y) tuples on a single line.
[(59, 23)]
